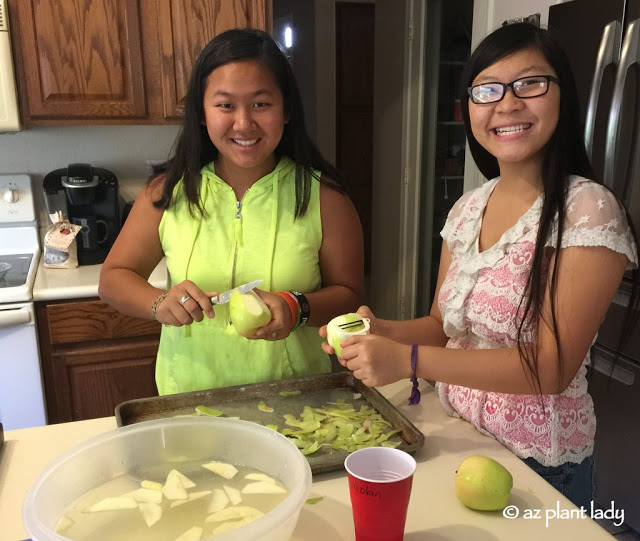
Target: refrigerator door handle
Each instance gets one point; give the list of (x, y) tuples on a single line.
[(607, 53), (628, 57)]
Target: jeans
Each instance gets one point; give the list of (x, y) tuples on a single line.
[(574, 481)]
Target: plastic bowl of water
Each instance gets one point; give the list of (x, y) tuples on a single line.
[(132, 449)]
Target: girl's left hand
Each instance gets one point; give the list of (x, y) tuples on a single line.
[(376, 360), (280, 325)]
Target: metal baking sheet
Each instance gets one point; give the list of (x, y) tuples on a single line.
[(242, 401)]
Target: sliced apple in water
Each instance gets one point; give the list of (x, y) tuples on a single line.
[(146, 495), (192, 534), (219, 501), (260, 477), (114, 503), (63, 524), (262, 487), (233, 494), (231, 525), (228, 471), (234, 513), (186, 482), (151, 512), (191, 497), (174, 488), (151, 485)]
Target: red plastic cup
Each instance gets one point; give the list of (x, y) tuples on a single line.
[(380, 481)]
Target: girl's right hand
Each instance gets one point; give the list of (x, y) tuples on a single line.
[(363, 311), (185, 303), (376, 360)]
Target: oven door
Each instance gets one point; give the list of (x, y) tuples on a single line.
[(22, 402)]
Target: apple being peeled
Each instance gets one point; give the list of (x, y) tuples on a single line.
[(483, 483), (337, 335), (248, 312)]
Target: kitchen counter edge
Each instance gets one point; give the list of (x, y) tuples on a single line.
[(81, 282)]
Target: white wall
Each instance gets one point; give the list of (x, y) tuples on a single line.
[(500, 10), (388, 103), (120, 149)]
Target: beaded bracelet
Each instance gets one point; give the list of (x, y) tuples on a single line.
[(156, 303), (292, 303), (305, 309), (415, 392)]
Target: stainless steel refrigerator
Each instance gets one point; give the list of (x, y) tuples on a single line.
[(602, 39)]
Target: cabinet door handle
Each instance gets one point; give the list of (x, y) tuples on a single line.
[(14, 317)]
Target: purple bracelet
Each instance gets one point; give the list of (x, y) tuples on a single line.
[(415, 392)]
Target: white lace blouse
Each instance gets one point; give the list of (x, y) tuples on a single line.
[(478, 301)]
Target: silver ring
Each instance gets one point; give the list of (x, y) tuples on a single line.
[(273, 334), (184, 298)]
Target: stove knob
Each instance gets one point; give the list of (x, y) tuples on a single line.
[(10, 196)]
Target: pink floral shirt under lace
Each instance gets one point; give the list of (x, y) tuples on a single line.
[(478, 301)]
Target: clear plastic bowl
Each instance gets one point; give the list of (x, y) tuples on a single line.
[(130, 449)]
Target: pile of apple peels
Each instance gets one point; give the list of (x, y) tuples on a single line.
[(338, 425)]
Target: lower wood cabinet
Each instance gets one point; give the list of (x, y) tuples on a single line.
[(93, 357)]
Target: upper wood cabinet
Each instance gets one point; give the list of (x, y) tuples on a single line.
[(185, 27), (79, 58), (115, 61)]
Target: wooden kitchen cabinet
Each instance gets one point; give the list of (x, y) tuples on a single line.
[(115, 61), (186, 26), (93, 358)]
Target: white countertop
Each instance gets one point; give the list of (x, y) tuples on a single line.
[(434, 512), (81, 282)]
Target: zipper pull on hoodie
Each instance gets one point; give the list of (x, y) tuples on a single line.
[(237, 226)]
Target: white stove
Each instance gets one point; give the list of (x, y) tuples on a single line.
[(21, 391)]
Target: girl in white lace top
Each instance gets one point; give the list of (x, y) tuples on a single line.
[(530, 264)]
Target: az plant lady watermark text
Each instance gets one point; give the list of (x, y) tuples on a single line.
[(616, 515)]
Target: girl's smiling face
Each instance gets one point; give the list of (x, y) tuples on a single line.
[(244, 115), (514, 130)]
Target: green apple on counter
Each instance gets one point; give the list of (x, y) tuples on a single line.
[(248, 312), (483, 483), (336, 335)]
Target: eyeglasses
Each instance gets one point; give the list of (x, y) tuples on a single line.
[(525, 87)]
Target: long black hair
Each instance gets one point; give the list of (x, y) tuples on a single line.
[(193, 148), (565, 155)]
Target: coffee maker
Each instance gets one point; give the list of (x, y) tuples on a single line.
[(87, 196)]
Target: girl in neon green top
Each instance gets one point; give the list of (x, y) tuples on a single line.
[(245, 196)]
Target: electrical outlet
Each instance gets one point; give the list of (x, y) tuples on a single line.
[(151, 164)]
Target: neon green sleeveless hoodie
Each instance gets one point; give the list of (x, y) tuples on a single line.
[(237, 242)]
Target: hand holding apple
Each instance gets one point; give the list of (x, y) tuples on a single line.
[(342, 327), (280, 324), (363, 313), (376, 360), (248, 312)]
